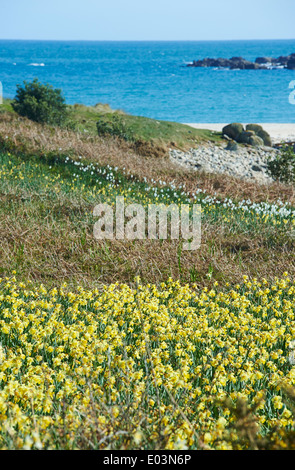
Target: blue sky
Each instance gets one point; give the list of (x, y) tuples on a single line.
[(147, 20)]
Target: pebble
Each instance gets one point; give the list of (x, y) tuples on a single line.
[(247, 163)]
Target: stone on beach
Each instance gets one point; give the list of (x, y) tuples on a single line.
[(233, 130), (243, 162), (253, 135)]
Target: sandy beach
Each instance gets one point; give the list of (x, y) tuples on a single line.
[(278, 132)]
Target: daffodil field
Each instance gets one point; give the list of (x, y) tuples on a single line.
[(172, 358), (142, 365)]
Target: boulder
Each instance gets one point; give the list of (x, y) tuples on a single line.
[(254, 127), (233, 130), (220, 63), (265, 137), (282, 60), (240, 63), (260, 132), (251, 66), (232, 146), (254, 135), (255, 141), (244, 137), (236, 59)]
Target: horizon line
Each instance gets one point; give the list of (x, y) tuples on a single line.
[(147, 40)]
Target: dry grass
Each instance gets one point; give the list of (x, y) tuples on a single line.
[(67, 251), (117, 153)]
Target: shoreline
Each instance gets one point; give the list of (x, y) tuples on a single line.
[(278, 132)]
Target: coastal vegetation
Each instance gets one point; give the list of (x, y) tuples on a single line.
[(40, 103), (282, 168), (121, 345)]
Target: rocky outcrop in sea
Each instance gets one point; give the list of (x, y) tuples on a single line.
[(239, 63)]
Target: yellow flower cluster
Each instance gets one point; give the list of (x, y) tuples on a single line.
[(166, 355)]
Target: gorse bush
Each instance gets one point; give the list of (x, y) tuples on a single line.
[(40, 103), (282, 167)]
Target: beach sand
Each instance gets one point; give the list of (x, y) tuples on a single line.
[(278, 132)]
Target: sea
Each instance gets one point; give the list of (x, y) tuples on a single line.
[(151, 78)]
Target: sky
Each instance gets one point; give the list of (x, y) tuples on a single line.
[(147, 19)]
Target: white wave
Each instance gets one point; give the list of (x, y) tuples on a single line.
[(37, 65)]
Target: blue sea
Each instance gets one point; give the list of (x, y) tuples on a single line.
[(150, 78)]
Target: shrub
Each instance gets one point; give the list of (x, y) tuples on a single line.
[(282, 167), (40, 103), (113, 124)]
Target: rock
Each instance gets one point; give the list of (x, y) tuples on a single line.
[(256, 168), (291, 64), (226, 137), (244, 137), (243, 64), (240, 63), (254, 134), (232, 146), (255, 141), (249, 163), (233, 130), (265, 137), (263, 60), (282, 60), (254, 127)]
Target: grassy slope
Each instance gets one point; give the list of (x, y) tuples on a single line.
[(46, 235), (148, 136), (47, 224), (139, 127)]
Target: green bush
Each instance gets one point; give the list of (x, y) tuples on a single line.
[(115, 125), (40, 103), (282, 167)]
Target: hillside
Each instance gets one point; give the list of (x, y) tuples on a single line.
[(139, 344), (44, 192)]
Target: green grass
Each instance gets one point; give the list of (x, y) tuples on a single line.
[(6, 106), (84, 118), (134, 129), (138, 128)]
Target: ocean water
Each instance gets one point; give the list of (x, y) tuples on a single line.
[(150, 78)]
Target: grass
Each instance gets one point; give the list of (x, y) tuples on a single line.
[(51, 204), (139, 344), (6, 107), (48, 197), (138, 128), (164, 134), (147, 136), (34, 138), (84, 118)]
